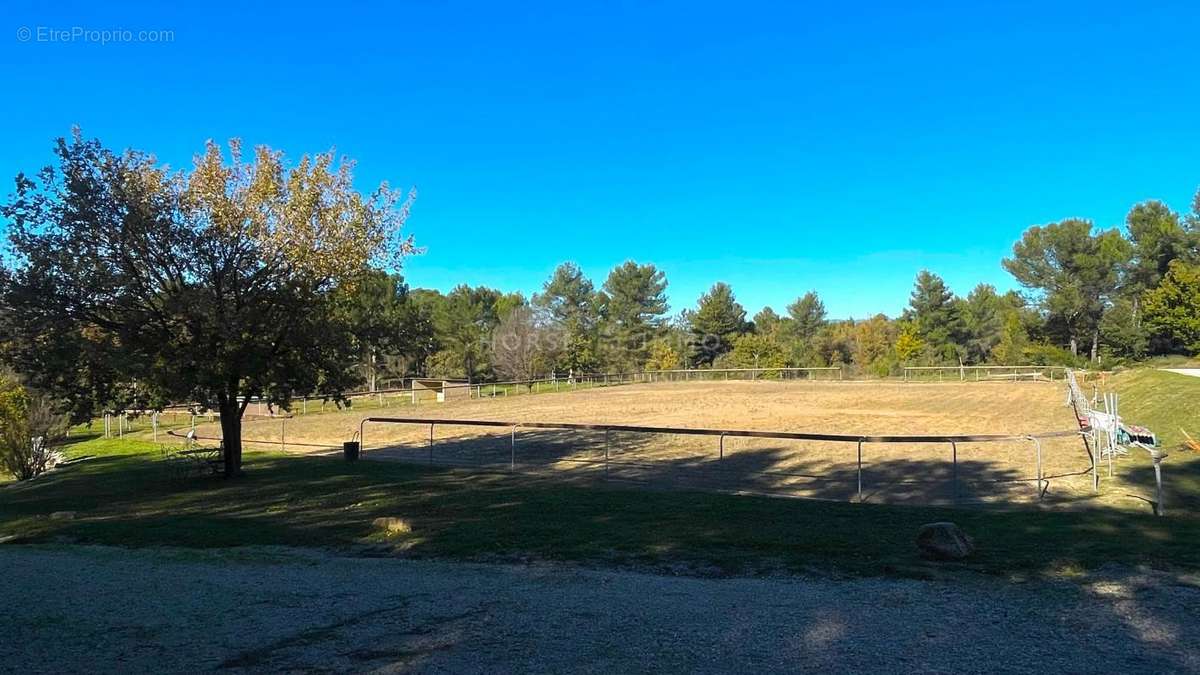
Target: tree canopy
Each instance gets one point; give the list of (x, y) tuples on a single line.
[(132, 285), (1073, 272), (634, 307), (1157, 238), (129, 286), (569, 300), (718, 319), (1173, 307), (935, 314)]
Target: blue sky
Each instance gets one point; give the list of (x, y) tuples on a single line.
[(776, 147)]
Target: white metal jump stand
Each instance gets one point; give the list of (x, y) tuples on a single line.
[(1088, 426), (1110, 436)]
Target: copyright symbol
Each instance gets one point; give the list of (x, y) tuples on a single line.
[(23, 34)]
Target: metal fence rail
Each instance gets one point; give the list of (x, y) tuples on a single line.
[(568, 382), (282, 443), (781, 373), (858, 441), (982, 372)]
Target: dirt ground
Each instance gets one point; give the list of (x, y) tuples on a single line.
[(79, 609), (891, 472)]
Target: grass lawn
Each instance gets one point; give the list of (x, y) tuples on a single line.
[(123, 495), (1166, 403)]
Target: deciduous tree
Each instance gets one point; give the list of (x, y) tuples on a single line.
[(216, 285), (1173, 307), (522, 349), (908, 343), (663, 356), (873, 340), (757, 350)]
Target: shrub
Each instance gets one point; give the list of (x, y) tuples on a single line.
[(30, 428), (885, 366), (1045, 354), (756, 351), (663, 356)]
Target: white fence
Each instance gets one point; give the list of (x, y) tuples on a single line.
[(981, 373), (406, 394)]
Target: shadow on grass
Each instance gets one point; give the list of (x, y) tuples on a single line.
[(886, 473), (313, 501), (1180, 475)]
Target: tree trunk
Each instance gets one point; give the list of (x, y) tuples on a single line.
[(370, 369), (231, 435), (1095, 345)]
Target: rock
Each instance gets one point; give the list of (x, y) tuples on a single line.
[(62, 515), (944, 541), (392, 525)]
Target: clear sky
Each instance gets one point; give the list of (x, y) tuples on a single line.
[(839, 147)]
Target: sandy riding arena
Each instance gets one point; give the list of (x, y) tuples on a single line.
[(891, 472)]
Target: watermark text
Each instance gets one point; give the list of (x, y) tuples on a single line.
[(87, 35)]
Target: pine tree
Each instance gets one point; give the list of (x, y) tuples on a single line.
[(569, 300), (807, 320), (635, 303), (1014, 341), (718, 319), (933, 310)]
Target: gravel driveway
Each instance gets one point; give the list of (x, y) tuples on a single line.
[(74, 608)]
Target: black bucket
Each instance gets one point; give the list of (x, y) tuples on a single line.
[(350, 450)]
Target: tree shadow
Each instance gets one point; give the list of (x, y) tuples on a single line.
[(885, 473), (1180, 478)]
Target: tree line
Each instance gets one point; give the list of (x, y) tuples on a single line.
[(1098, 296), (127, 285)]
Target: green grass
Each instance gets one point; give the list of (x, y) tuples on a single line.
[(1171, 361), (123, 495), (1162, 401), (1165, 403)]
